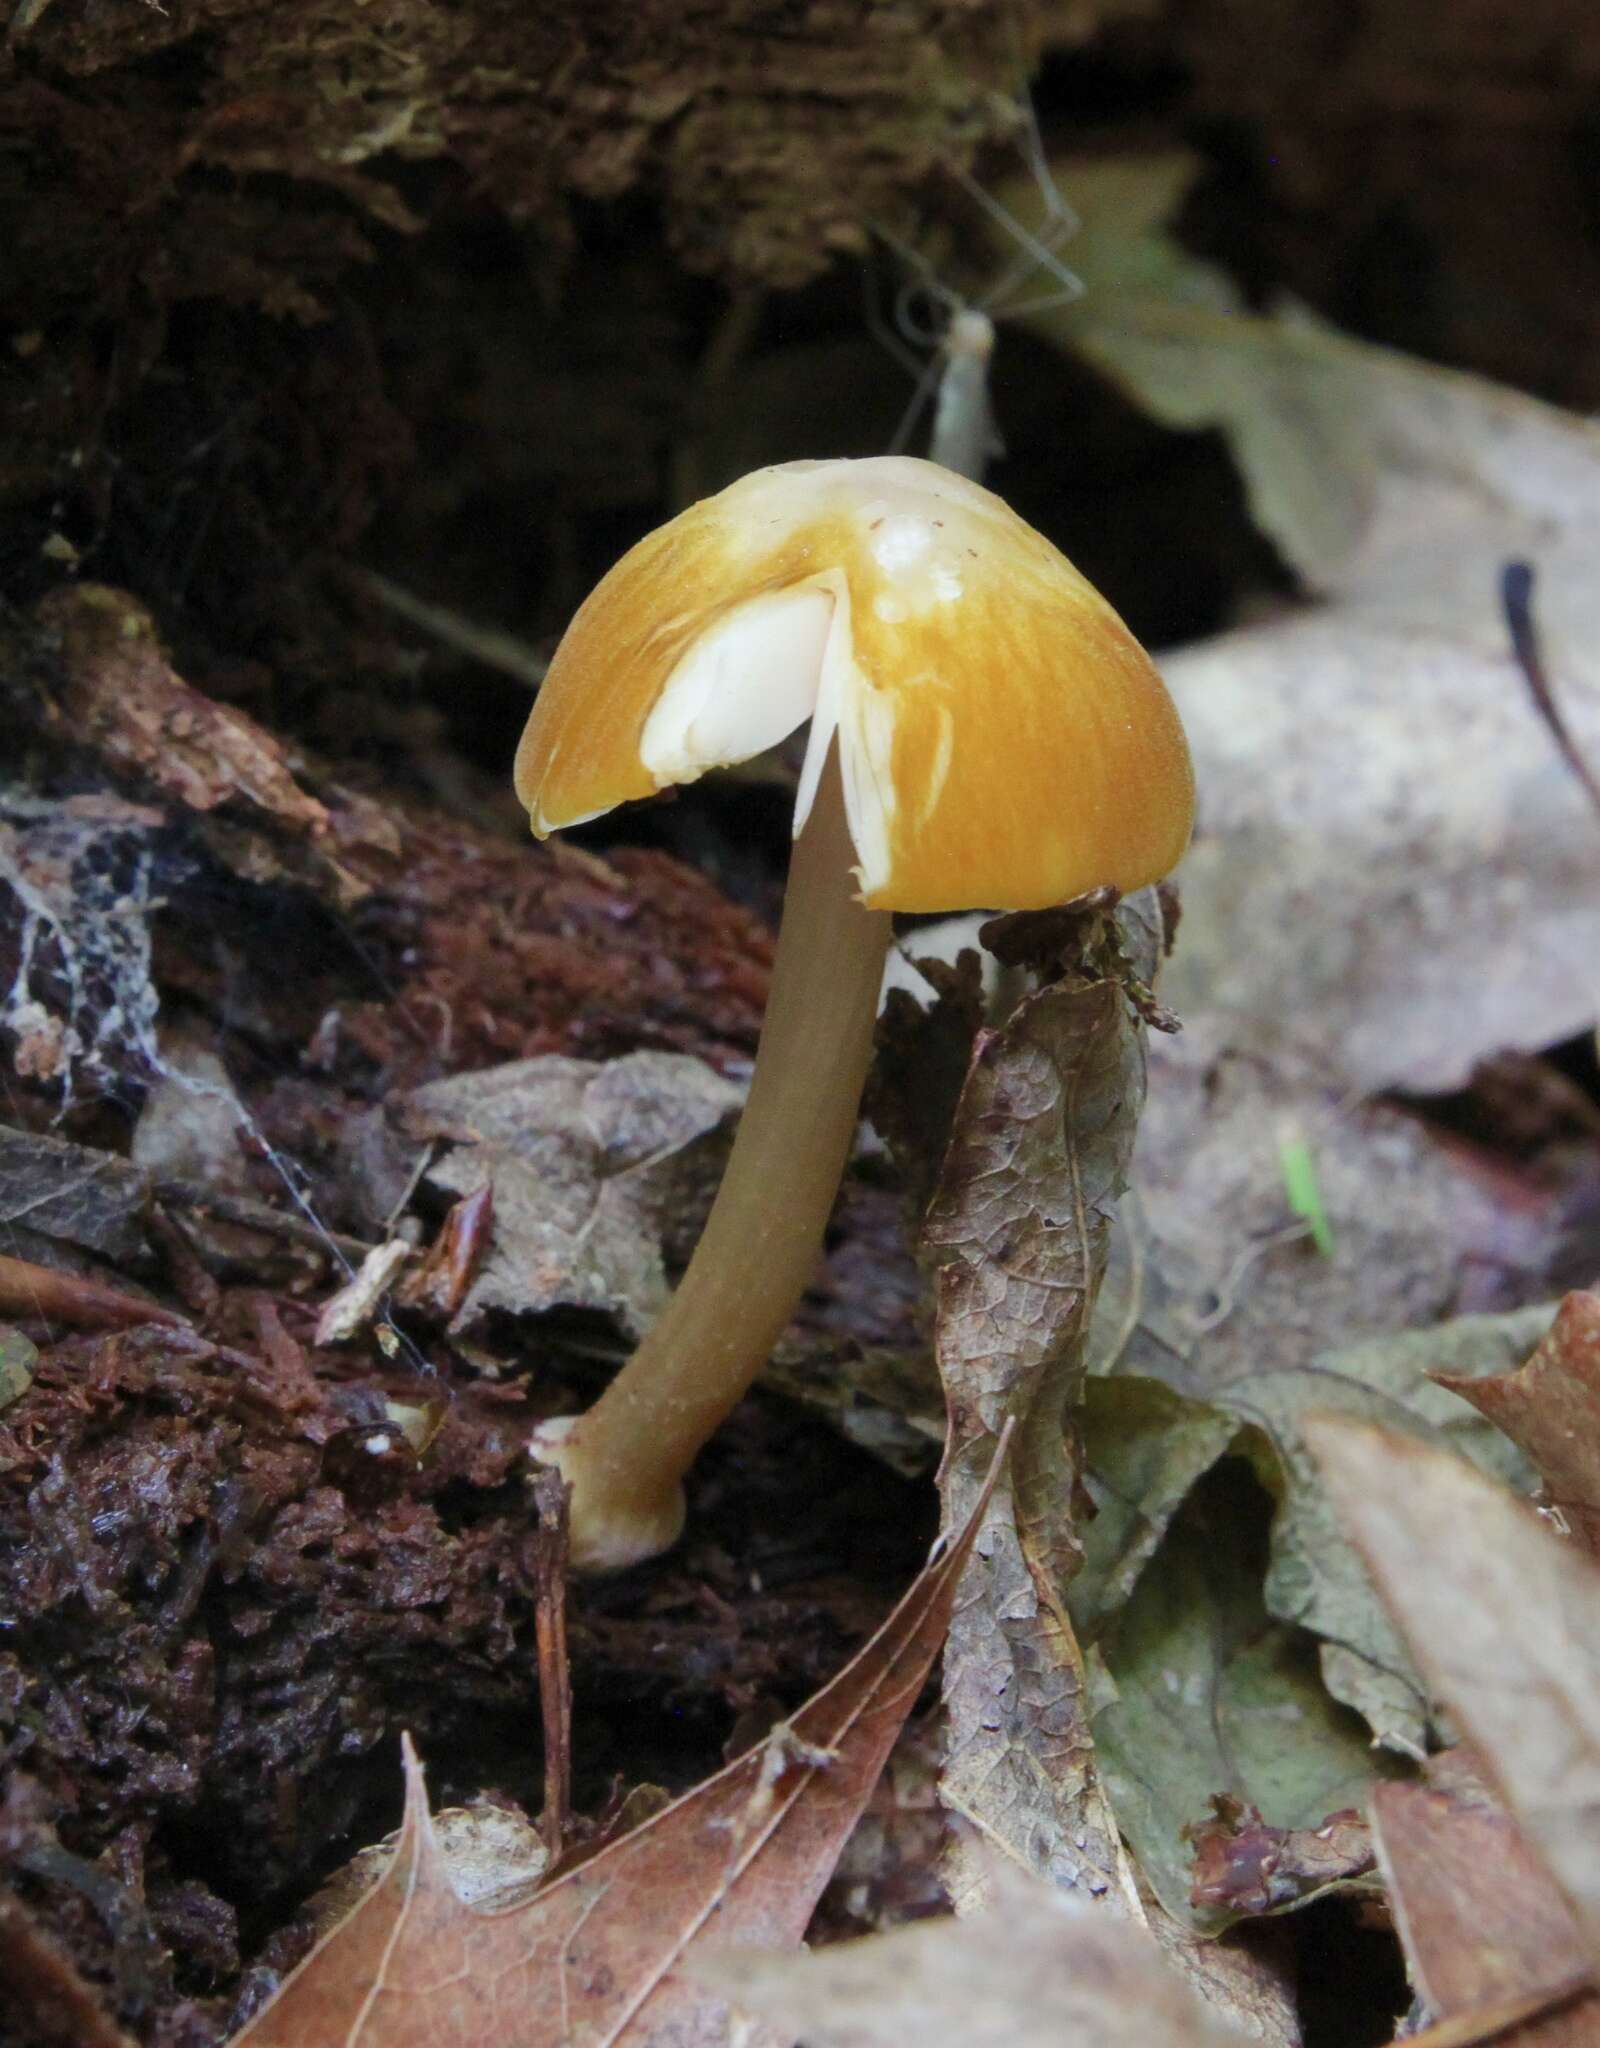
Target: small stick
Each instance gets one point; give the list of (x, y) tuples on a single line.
[(253, 1215), (1516, 596), (503, 652), (30, 1290), (551, 1495)]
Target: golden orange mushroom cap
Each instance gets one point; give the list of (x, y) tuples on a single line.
[(1004, 740)]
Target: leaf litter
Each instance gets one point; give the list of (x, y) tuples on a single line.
[(1181, 1666), (602, 1951), (1384, 811), (1504, 1619), (1038, 1967), (1481, 1921), (1015, 1241)]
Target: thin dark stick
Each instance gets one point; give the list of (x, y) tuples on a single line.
[(550, 1497), (1516, 595)]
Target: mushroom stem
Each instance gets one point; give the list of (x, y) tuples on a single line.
[(626, 1458)]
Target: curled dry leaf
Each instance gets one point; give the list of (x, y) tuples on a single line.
[(1479, 1917), (1016, 1239), (1039, 1969), (1504, 1620), (597, 1955), (1551, 1406), (1243, 1866)]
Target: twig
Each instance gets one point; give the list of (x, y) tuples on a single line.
[(30, 1290), (550, 1497), (496, 650), (253, 1215), (1516, 596)]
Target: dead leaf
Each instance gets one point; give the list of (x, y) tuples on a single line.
[(348, 1311), (444, 1272), (74, 1195), (1242, 1866), (1479, 1917), (598, 1954), (594, 1167), (1204, 1693), (1551, 1406), (1038, 1970), (1504, 1620), (1148, 1446), (192, 1119), (1219, 1278), (1414, 820), (1248, 1980), (1015, 1239)]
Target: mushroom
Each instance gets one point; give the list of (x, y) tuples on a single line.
[(985, 732)]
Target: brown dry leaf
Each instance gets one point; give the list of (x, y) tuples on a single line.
[(597, 1955), (1551, 1406), (1478, 1915), (1039, 1969), (1016, 1240), (1242, 1866), (1504, 1620), (594, 1165)]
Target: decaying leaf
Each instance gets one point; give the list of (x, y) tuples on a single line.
[(1016, 1241), (1038, 1969), (74, 1195), (1241, 1865), (598, 1954), (1148, 1445), (1250, 1983), (594, 1167), (1204, 1694), (353, 1306), (1551, 1406), (1414, 866), (1227, 1282), (1477, 1913), (1504, 1619)]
